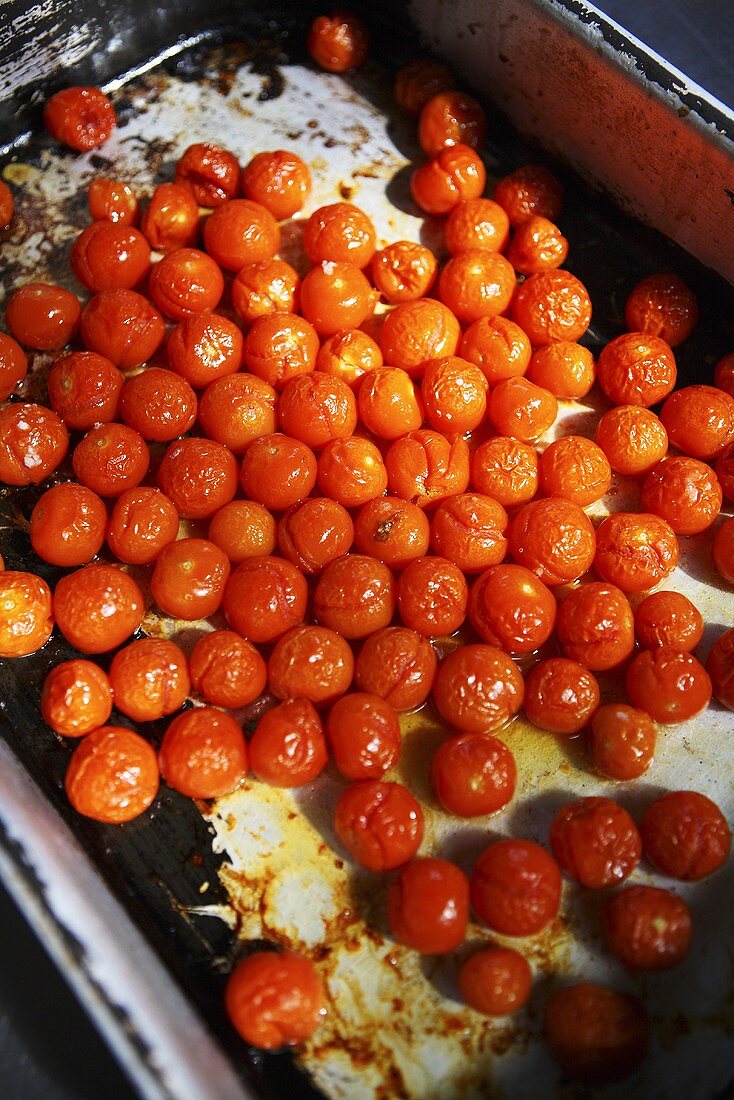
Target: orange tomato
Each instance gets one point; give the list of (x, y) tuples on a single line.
[(428, 906), (416, 332), (669, 685), (635, 369), (226, 670), (451, 118), (338, 42), (662, 305), (240, 232), (97, 607), (595, 626), (478, 689), (340, 232), (143, 521), (355, 595), (68, 525), (43, 316), (280, 346), (113, 775), (81, 117), (398, 665), (211, 172), (552, 305), (288, 748), (635, 551), (560, 695), (596, 1034), (310, 662), (76, 698), (576, 469), (123, 326), (203, 753), (530, 191), (425, 467), (199, 476), (264, 598), (432, 597), (314, 533), (554, 539), (475, 284), (392, 530), (476, 223), (33, 442), (275, 998), (26, 617), (189, 579), (512, 609), (404, 271), (419, 81), (149, 678), (498, 347), (279, 181), (455, 175)]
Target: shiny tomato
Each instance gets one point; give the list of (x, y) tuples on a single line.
[(98, 607), (554, 539), (662, 305), (33, 442), (171, 218), (106, 256), (522, 410), (565, 368), (68, 525), (685, 492), (595, 626), (596, 842), (274, 999), (398, 665), (338, 42), (243, 529), (392, 530), (113, 775), (451, 118), (454, 394), (622, 741), (351, 471), (404, 271), (537, 245), (632, 438), (265, 287), (226, 670), (720, 667), (722, 551), (158, 404), (314, 533), (560, 695), (576, 469), (699, 420), (348, 355), (419, 81), (278, 471), (310, 662), (288, 747), (516, 887), (478, 689), (635, 550), (111, 459), (596, 1034), (189, 579), (280, 346), (204, 347), (498, 347), (335, 296), (279, 181), (76, 698), (149, 678), (355, 595), (669, 619), (84, 389), (363, 732), (428, 906), (341, 232), (512, 609), (647, 928), (199, 476), (476, 284), (264, 598), (469, 530), (236, 409), (43, 316), (552, 305), (211, 172), (112, 201), (389, 404), (26, 617), (454, 175), (317, 409), (425, 467), (530, 191), (685, 835), (143, 521), (724, 374), (669, 685), (473, 774), (415, 332), (13, 365), (81, 117), (635, 369), (203, 753), (432, 596), (495, 981), (123, 326), (379, 823), (186, 281), (240, 232), (506, 470), (476, 223), (7, 205)]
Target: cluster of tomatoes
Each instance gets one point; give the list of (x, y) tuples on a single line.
[(364, 486)]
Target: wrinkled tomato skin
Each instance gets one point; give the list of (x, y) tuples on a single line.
[(310, 662), (596, 842), (76, 698), (560, 695), (98, 607), (113, 775), (143, 522), (473, 774), (81, 117), (516, 887), (109, 256), (669, 685), (720, 667), (380, 824), (226, 670), (288, 748), (274, 999), (33, 442), (203, 753), (510, 608), (265, 597), (68, 525), (495, 981), (647, 928), (43, 316), (478, 689), (363, 732), (595, 626), (150, 679), (124, 326), (428, 906), (685, 835), (596, 1034), (26, 616), (398, 665), (622, 741), (189, 579)]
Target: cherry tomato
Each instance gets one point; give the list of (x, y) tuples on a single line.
[(205, 347), (13, 365), (351, 471), (278, 471), (68, 525), (662, 305), (635, 369), (669, 685), (338, 42), (171, 219), (553, 305), (33, 442), (404, 271), (398, 665), (476, 284), (392, 530), (669, 619), (265, 287), (264, 598), (113, 775), (158, 404), (84, 389), (149, 678), (699, 420), (243, 529), (516, 887), (635, 551), (379, 823), (142, 523), (226, 670), (26, 618), (275, 998), (123, 326), (495, 981), (364, 736), (451, 118), (279, 181), (419, 81), (432, 596), (335, 296), (81, 117), (43, 316), (476, 223), (316, 409), (240, 232), (389, 404), (537, 245), (478, 689), (109, 256), (236, 409), (596, 842), (355, 595), (314, 533), (647, 928), (565, 368), (111, 459), (473, 774), (199, 476), (683, 491), (349, 355), (469, 530), (575, 468), (560, 695), (506, 470), (425, 467), (340, 232), (186, 281), (280, 346), (622, 741), (633, 439), (522, 410), (530, 191), (454, 175), (97, 607), (498, 347), (203, 753), (720, 667), (288, 747), (595, 626), (554, 539), (310, 662), (416, 332), (685, 835), (512, 609), (428, 906), (189, 579), (7, 205), (112, 201), (722, 551), (76, 698), (596, 1034), (211, 172)]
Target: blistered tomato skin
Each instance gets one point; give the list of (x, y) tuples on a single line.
[(669, 685), (363, 733), (98, 607), (113, 775), (76, 698), (596, 842), (150, 679), (226, 670), (379, 823), (397, 664), (203, 753), (275, 999), (189, 579), (560, 695), (13, 365), (428, 906), (510, 608), (647, 928), (68, 525), (81, 117), (595, 626), (338, 42), (473, 774), (288, 748), (554, 539), (685, 835), (264, 598), (477, 689), (33, 442), (26, 618), (310, 662)]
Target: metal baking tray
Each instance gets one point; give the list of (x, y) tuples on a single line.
[(147, 919)]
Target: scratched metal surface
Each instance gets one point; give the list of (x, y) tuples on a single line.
[(263, 864)]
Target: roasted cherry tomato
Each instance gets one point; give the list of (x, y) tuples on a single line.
[(392, 530), (113, 775), (596, 1034), (478, 689), (595, 626), (338, 42), (633, 439), (123, 326), (530, 191), (647, 928), (142, 523), (432, 596), (398, 665), (720, 667), (279, 181), (669, 619), (76, 698), (33, 442), (199, 476), (636, 369), (516, 887), (415, 332), (363, 732), (112, 201), (243, 529), (186, 281), (288, 747), (274, 999), (635, 550), (379, 823), (451, 118), (685, 835), (310, 662), (80, 117), (68, 525), (211, 172), (355, 595), (622, 741), (662, 305), (264, 598), (669, 685), (203, 753), (554, 539), (512, 609), (171, 218), (314, 533), (596, 842), (428, 906), (110, 256), (111, 459), (473, 774), (189, 579), (495, 981), (26, 618), (43, 316), (98, 607), (560, 695), (226, 670), (150, 679), (13, 365)]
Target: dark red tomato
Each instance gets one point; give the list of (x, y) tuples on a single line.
[(596, 1034), (13, 365), (647, 928), (275, 998), (428, 906), (495, 981), (364, 736), (669, 685), (288, 747), (596, 842), (80, 117), (473, 774), (720, 667), (380, 824), (622, 741), (685, 835), (516, 887)]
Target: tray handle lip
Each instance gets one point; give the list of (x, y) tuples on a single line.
[(151, 1028)]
